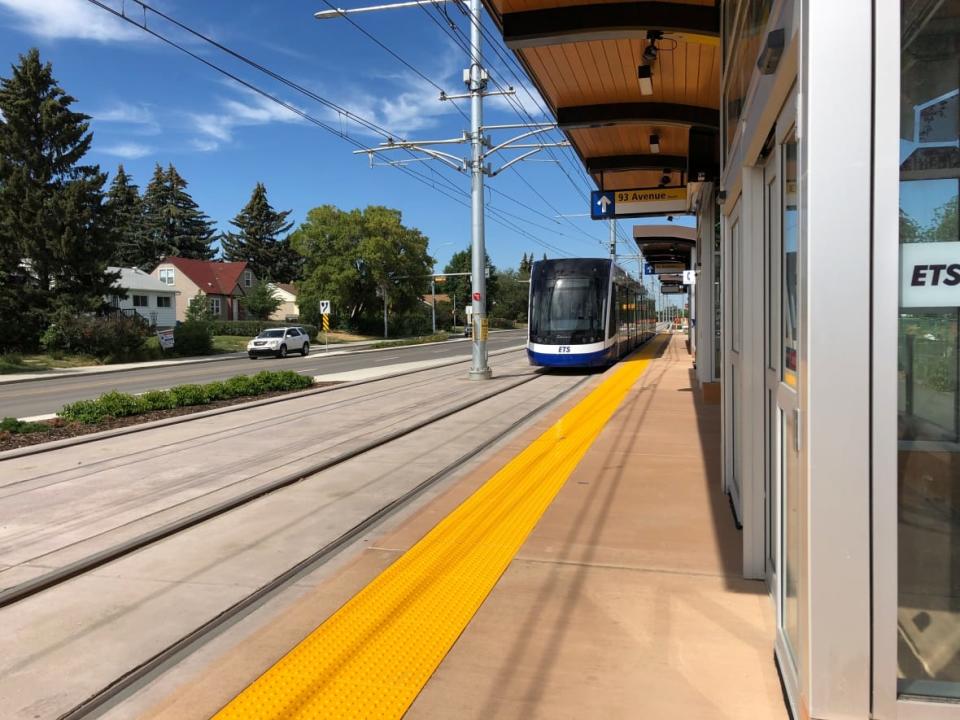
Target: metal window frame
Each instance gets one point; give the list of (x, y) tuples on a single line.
[(836, 71), (886, 705)]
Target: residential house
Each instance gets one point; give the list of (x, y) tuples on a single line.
[(147, 296), (289, 311), (224, 283)]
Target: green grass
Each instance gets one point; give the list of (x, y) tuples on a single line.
[(439, 337), (229, 343), (14, 363)]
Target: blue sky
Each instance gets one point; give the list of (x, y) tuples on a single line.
[(150, 103)]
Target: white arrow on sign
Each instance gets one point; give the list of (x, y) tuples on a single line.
[(604, 202)]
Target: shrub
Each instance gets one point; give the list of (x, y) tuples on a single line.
[(83, 411), (241, 385), (158, 400), (21, 427), (193, 338), (217, 390), (118, 404), (116, 337), (186, 395), (501, 323), (249, 328)]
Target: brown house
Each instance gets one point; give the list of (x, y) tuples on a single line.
[(224, 283)]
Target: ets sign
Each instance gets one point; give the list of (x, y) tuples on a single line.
[(930, 274)]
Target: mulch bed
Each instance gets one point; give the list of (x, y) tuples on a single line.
[(60, 429)]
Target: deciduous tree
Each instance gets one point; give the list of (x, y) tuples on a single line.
[(350, 256), (260, 301), (460, 287)]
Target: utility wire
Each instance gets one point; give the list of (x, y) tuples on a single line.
[(306, 116), (453, 32)]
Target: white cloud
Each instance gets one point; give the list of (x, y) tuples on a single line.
[(204, 145), (52, 19), (254, 109), (128, 151), (139, 117)]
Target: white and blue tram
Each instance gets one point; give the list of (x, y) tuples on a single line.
[(585, 313)]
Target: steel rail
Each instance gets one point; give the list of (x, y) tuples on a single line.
[(28, 588)]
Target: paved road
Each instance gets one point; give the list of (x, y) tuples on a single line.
[(47, 396)]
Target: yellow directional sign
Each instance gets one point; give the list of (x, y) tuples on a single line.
[(326, 323), (650, 200)]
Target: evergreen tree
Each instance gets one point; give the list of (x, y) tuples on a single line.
[(126, 209), (56, 238), (258, 241), (173, 222)]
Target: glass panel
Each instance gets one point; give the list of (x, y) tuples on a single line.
[(928, 487), (735, 284), (788, 269), (747, 43), (790, 524), (773, 220), (717, 307)]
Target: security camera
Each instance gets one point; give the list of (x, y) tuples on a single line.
[(665, 179)]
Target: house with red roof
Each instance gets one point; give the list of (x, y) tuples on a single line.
[(223, 283)]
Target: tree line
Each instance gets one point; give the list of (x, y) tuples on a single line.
[(61, 229)]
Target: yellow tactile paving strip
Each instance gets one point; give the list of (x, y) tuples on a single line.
[(371, 658)]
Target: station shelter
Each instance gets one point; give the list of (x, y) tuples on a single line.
[(816, 142)]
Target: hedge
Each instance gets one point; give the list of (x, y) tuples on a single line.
[(117, 404), (249, 328)]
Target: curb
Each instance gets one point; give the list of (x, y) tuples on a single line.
[(107, 434)]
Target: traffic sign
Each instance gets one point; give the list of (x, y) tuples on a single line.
[(326, 323), (476, 296), (648, 269), (324, 307), (602, 204)]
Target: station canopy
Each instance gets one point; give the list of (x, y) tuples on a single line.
[(586, 58), (669, 248)]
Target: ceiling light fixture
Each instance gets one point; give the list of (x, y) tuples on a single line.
[(654, 143), (645, 78)]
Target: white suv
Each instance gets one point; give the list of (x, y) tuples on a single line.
[(279, 342)]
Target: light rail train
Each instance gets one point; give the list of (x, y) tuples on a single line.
[(585, 313)]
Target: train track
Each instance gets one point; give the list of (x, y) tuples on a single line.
[(196, 638), (286, 459)]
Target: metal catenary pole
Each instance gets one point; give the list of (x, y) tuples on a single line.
[(433, 305), (479, 369), (480, 149)]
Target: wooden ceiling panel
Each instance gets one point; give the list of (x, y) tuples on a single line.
[(628, 140), (602, 72)]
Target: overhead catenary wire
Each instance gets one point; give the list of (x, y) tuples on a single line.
[(426, 180), (453, 32)]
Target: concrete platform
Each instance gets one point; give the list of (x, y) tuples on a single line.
[(626, 601)]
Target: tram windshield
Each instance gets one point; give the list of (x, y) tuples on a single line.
[(568, 308)]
